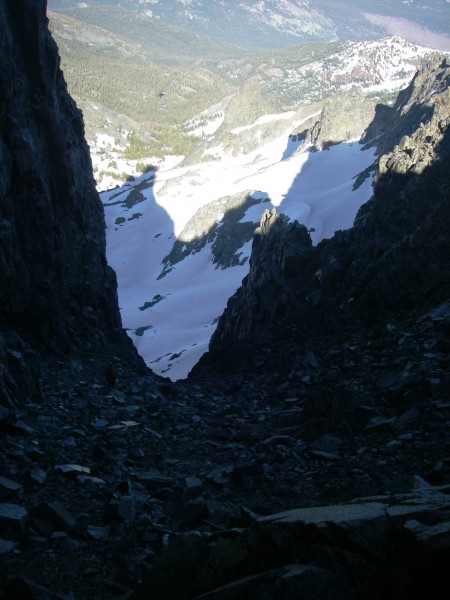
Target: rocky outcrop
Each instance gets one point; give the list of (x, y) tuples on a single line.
[(280, 251), (219, 223), (384, 547), (419, 105), (57, 293), (345, 116)]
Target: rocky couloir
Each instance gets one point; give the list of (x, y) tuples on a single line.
[(327, 381)]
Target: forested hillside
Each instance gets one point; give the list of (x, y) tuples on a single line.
[(89, 58)]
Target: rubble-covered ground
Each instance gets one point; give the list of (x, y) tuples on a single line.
[(96, 479)]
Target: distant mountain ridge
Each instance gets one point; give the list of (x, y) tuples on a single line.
[(272, 23), (198, 54), (126, 119)]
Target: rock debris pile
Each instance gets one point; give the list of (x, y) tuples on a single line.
[(97, 481)]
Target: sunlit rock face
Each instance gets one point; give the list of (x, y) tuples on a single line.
[(57, 292)]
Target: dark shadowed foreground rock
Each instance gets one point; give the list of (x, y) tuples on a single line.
[(376, 548)]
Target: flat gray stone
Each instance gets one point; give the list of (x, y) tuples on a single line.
[(8, 488), (13, 520), (341, 513), (6, 546)]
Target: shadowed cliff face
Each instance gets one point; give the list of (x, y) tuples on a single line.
[(57, 292)]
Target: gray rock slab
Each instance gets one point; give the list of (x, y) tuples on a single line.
[(8, 488), (13, 520)]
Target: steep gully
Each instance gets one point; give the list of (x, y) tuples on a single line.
[(340, 391)]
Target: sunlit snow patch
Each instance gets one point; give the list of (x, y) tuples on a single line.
[(172, 318)]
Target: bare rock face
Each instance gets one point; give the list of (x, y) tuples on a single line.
[(57, 292), (421, 105), (219, 223), (280, 252), (344, 117)]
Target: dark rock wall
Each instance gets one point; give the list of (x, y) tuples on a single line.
[(57, 292), (415, 107), (279, 253)]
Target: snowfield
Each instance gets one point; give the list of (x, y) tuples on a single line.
[(172, 318)]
